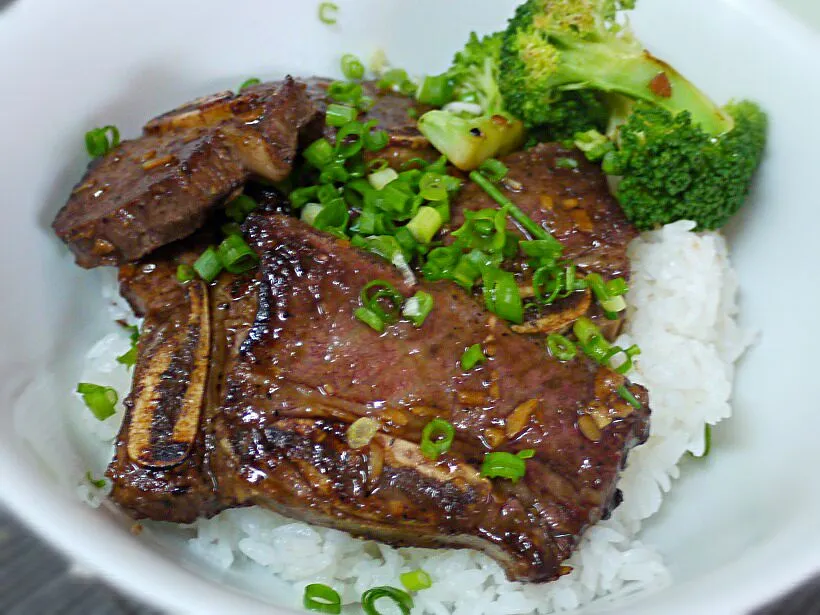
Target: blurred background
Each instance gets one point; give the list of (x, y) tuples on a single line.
[(35, 580)]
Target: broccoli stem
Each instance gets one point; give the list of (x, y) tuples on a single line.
[(603, 66)]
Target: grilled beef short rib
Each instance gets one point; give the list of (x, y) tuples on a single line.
[(299, 369), (161, 187)]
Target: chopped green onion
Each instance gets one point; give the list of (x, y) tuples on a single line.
[(352, 67), (98, 143), (502, 296), (418, 307), (436, 90), (334, 172), (321, 598), (416, 580), (432, 187), (208, 265), (397, 80), (503, 465), (436, 438), (560, 347), (627, 365), (345, 92), (101, 400), (627, 395), (239, 209), (302, 196), (425, 224), (365, 104), (401, 598), (543, 250), (249, 83), (333, 217), (566, 163), (349, 141), (384, 292), (527, 453), (370, 318), (310, 211), (472, 357), (185, 273), (236, 255), (519, 216), (328, 13), (129, 357), (381, 178), (319, 153), (339, 115), (614, 305), (374, 140), (494, 170), (97, 483)]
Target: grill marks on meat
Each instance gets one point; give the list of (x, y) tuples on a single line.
[(160, 188), (308, 368), (161, 468)]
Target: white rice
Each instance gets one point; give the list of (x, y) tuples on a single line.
[(682, 309)]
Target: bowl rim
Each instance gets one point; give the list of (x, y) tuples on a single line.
[(98, 552)]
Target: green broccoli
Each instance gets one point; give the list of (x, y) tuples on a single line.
[(467, 138), (679, 155), (672, 170)]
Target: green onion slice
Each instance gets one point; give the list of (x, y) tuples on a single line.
[(100, 400), (385, 296), (249, 83), (338, 115), (185, 273), (503, 465), (345, 92), (239, 208), (98, 483), (436, 438), (352, 67), (527, 453), (321, 598), (494, 170), (501, 295), (435, 90), (374, 140), (418, 307), (527, 223), (100, 141), (328, 13), (416, 580), (566, 163), (349, 140), (208, 265), (319, 153), (401, 598), (627, 395), (425, 224), (380, 179), (560, 347), (472, 357), (236, 255), (370, 318)]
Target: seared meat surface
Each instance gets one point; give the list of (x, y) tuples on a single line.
[(159, 188), (288, 377), (567, 195), (569, 199), (161, 467)]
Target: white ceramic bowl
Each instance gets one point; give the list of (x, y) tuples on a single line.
[(736, 530)]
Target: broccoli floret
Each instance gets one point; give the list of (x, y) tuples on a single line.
[(677, 154), (671, 169), (482, 128), (554, 46)]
